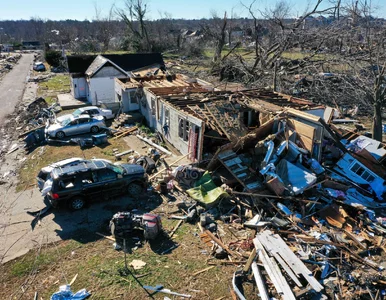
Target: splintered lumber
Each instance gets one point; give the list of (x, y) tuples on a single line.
[(105, 236), (250, 260), (126, 132), (218, 242), (274, 273), (175, 228), (73, 279), (124, 153), (160, 289), (29, 131), (259, 282), (164, 169), (276, 247), (203, 270), (154, 145), (355, 240)]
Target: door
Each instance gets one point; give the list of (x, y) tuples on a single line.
[(91, 187), (134, 100), (112, 185), (71, 128), (84, 125), (81, 88)]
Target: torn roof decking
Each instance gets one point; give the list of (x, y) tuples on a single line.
[(213, 107), (272, 102), (220, 110), (170, 83)]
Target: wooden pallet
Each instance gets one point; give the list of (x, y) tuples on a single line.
[(126, 131)]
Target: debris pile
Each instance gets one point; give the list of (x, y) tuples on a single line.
[(297, 207), (7, 62)]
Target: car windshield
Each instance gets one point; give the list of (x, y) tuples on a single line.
[(77, 113), (117, 169), (66, 122)]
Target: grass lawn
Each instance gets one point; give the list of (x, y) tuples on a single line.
[(97, 265), (46, 155), (55, 85)]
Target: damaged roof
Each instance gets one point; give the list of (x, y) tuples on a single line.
[(98, 63), (127, 62), (163, 84)]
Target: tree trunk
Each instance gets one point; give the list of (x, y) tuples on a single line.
[(377, 121)]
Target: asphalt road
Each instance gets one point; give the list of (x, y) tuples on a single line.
[(13, 84)]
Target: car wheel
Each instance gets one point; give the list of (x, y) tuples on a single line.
[(94, 129), (77, 203), (60, 135), (134, 189)]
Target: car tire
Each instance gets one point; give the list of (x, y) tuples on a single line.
[(135, 189), (94, 129), (76, 203), (60, 135)]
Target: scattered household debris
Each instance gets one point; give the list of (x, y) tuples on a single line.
[(123, 224), (161, 289), (137, 264), (65, 293)]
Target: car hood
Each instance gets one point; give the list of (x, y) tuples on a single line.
[(64, 117), (54, 127), (133, 169)]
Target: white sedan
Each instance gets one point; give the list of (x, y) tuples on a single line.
[(91, 111)]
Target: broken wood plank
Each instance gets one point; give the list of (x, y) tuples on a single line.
[(124, 153), (126, 132), (175, 228), (275, 244), (105, 236), (73, 279), (274, 274), (355, 240), (164, 169), (154, 145), (220, 243), (203, 270), (250, 260), (287, 269), (259, 282)]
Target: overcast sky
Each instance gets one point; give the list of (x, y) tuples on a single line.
[(191, 9)]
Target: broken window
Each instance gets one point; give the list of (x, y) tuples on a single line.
[(167, 116), (135, 96), (360, 171), (183, 129), (67, 183)]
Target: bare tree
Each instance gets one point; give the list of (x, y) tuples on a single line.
[(216, 30), (134, 16), (106, 26)]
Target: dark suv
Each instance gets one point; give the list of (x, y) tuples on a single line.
[(89, 179)]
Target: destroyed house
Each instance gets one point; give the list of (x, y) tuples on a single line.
[(196, 119), (92, 76)]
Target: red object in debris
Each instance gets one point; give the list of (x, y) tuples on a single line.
[(55, 196), (152, 225)]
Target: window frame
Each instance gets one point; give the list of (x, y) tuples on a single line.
[(183, 128)]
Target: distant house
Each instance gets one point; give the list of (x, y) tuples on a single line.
[(32, 45), (92, 76)]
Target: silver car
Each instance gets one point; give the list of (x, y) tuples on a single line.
[(91, 111), (74, 126)]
